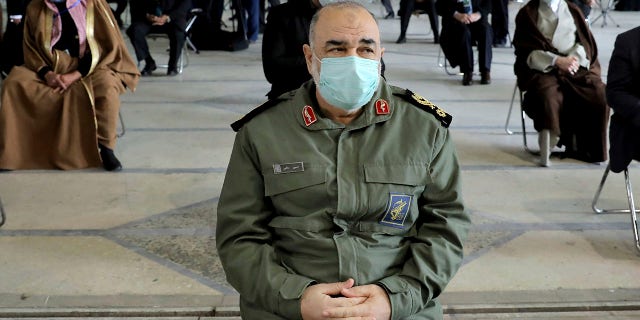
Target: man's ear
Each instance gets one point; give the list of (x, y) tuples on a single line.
[(308, 57)]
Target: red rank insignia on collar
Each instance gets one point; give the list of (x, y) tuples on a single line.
[(308, 115), (382, 107)]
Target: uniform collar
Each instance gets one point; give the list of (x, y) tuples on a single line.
[(310, 117)]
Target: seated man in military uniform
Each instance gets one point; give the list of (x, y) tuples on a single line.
[(342, 198)]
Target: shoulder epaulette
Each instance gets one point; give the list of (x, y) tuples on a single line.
[(256, 111), (426, 105)]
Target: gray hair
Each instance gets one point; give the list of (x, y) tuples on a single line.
[(341, 4)]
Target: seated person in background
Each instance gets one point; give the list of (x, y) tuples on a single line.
[(623, 95), (465, 22), (585, 6), (60, 110), (352, 207), (286, 32), (120, 7), (169, 17), (564, 94), (407, 7), (11, 48)]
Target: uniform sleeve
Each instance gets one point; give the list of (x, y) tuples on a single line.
[(243, 237), (436, 249)]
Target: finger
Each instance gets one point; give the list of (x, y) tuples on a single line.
[(357, 311)]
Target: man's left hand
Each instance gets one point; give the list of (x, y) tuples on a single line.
[(375, 306)]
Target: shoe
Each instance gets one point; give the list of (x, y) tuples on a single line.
[(109, 160), (401, 39), (485, 77), (148, 69), (466, 78), (172, 72), (389, 15), (500, 43)]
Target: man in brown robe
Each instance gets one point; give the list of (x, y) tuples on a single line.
[(564, 94), (60, 109)]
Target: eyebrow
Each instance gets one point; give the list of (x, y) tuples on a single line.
[(368, 41)]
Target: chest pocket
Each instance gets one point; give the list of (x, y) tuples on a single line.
[(296, 193), (390, 182)]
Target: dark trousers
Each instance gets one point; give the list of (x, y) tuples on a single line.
[(11, 47), (121, 6), (406, 10), (252, 22), (462, 38), (387, 6), (139, 30), (264, 9), (500, 20)]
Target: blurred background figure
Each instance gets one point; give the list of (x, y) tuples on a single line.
[(500, 22), (152, 16), (408, 7), (11, 47), (389, 8), (60, 109), (251, 11), (623, 96), (287, 30), (558, 69), (117, 12), (465, 23), (265, 6)]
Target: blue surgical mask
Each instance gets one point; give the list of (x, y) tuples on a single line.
[(348, 82)]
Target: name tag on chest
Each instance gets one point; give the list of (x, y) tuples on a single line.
[(288, 167)]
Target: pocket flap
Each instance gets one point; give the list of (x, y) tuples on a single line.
[(280, 183), (405, 174)]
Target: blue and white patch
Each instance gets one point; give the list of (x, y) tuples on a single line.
[(397, 210)]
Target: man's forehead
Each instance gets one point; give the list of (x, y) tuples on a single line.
[(347, 25)]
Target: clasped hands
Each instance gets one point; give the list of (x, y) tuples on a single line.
[(157, 20), (341, 300), (467, 18), (61, 82), (568, 64)]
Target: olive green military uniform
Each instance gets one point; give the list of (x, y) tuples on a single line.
[(308, 200)]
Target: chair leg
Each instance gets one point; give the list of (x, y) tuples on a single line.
[(632, 209), (3, 217), (122, 127), (524, 129), (444, 64), (506, 124)]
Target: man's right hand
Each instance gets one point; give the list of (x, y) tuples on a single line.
[(320, 297)]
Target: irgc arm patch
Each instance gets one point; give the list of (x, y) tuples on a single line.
[(426, 105)]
